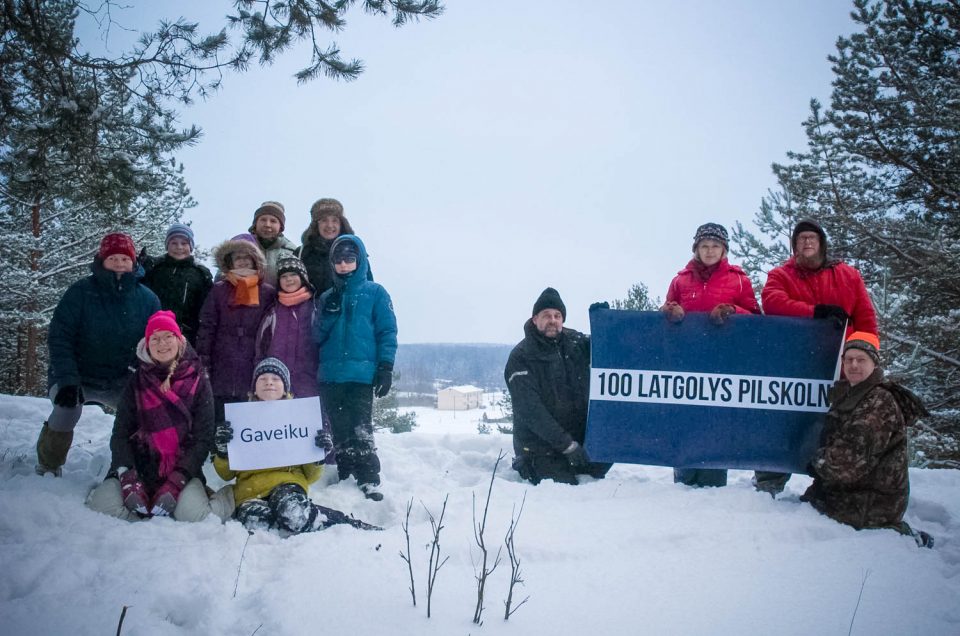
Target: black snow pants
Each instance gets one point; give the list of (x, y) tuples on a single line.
[(350, 407)]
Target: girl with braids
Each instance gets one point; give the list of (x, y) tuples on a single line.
[(162, 434)]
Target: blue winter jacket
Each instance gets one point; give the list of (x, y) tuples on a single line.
[(354, 324), (96, 327)]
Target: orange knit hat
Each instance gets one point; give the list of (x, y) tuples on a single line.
[(864, 341)]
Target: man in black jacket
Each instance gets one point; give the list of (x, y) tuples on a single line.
[(548, 375)]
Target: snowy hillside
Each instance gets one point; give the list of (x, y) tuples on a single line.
[(632, 554)]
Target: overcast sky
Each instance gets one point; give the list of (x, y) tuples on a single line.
[(509, 146)]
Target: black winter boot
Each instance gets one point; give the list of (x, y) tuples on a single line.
[(52, 448)]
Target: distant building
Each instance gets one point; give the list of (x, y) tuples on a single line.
[(459, 398)]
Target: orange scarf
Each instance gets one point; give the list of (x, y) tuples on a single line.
[(246, 290), (290, 299)]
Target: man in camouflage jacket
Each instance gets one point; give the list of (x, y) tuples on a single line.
[(860, 468)]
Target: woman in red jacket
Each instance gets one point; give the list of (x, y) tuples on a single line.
[(709, 283)]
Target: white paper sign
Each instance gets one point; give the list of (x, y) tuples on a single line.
[(275, 433)]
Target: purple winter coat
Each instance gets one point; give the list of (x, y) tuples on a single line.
[(285, 333), (227, 338)]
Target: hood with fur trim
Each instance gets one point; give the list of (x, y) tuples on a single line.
[(239, 246)]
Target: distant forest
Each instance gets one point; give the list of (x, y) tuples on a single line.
[(420, 366)]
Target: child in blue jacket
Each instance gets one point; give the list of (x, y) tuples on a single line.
[(356, 330)]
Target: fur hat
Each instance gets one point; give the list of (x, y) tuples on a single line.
[(865, 341), (162, 320), (244, 244), (325, 207), (809, 225), (117, 243), (273, 208), (182, 230), (274, 366), (292, 264), (320, 209), (550, 299), (713, 231)]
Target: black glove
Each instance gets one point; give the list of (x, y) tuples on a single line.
[(222, 437), (600, 305), (577, 457), (382, 379), (333, 303), (323, 440), (830, 311), (69, 396)]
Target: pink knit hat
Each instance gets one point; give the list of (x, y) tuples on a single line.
[(162, 321)]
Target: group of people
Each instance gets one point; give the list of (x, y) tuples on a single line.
[(168, 346), (282, 321), (859, 471)]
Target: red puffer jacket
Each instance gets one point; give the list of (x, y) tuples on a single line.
[(728, 284), (793, 291)]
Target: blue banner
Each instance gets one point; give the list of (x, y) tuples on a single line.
[(750, 393)]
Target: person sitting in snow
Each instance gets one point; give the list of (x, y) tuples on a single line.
[(356, 330), (92, 341), (859, 471), (276, 497), (162, 433), (548, 376)]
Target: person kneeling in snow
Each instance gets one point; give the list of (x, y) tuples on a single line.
[(548, 375), (162, 432), (859, 471), (276, 497)]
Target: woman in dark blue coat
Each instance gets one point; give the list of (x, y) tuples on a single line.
[(92, 341)]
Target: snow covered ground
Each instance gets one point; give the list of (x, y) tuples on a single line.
[(630, 554)]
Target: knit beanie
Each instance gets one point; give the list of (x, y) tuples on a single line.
[(273, 208), (246, 236), (550, 299), (274, 366), (865, 341), (293, 265), (117, 243), (163, 320), (809, 225), (713, 231), (181, 230), (345, 248), (325, 207)]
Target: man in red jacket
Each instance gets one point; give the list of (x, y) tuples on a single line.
[(811, 285)]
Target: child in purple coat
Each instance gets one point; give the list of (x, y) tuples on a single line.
[(230, 317), (286, 333)]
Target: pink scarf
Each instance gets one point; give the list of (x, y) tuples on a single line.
[(164, 416)]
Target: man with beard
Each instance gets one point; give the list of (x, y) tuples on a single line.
[(548, 375), (811, 285)]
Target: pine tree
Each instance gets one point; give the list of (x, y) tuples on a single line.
[(83, 154), (638, 299), (88, 143), (882, 175)]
